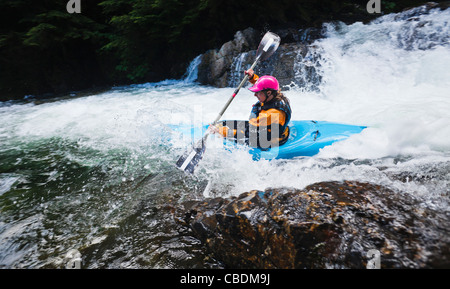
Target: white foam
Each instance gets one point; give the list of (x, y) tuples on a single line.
[(370, 77)]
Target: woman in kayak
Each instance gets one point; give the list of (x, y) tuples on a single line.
[(269, 118)]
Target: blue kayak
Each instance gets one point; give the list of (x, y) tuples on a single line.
[(306, 138)]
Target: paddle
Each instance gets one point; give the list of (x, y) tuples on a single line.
[(189, 160)]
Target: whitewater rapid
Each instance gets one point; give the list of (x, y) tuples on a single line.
[(391, 75), (94, 151)]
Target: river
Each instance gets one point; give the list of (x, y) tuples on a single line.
[(93, 174)]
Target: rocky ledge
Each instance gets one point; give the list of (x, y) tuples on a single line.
[(326, 225), (296, 63), (225, 66)]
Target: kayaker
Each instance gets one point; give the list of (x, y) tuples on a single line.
[(269, 118)]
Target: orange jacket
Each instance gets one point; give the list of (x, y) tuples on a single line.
[(264, 115)]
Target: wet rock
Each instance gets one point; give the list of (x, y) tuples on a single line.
[(294, 63), (325, 225), (215, 64)]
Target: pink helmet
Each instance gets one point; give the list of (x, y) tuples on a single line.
[(265, 82)]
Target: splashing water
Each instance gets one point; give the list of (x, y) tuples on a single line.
[(93, 173)]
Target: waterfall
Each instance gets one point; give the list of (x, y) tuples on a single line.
[(308, 70), (237, 68), (191, 74), (310, 63), (97, 172)]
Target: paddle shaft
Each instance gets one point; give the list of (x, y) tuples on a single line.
[(190, 159), (244, 80)]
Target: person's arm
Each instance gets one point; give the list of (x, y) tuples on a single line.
[(266, 128), (252, 76), (269, 117), (222, 130)]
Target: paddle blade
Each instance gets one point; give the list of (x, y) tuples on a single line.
[(269, 44), (189, 160)]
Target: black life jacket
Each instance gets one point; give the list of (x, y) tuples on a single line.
[(283, 130)]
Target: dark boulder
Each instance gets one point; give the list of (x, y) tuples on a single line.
[(291, 63), (325, 225), (215, 64)]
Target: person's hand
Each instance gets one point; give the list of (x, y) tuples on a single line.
[(213, 129), (250, 73)]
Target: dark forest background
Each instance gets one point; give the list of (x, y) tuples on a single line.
[(44, 50)]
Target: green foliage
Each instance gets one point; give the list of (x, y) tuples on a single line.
[(150, 34), (57, 27), (45, 49), (388, 6)]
